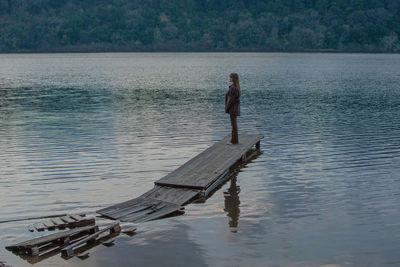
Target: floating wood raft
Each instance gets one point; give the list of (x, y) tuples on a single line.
[(198, 176)]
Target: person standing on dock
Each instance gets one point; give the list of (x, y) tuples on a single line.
[(232, 106)]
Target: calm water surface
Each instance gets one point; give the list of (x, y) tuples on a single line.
[(81, 131)]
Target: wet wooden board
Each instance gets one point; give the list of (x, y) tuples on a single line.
[(201, 171), (39, 226), (140, 209), (179, 196), (49, 224), (73, 220), (32, 246), (67, 219), (77, 217), (58, 222)]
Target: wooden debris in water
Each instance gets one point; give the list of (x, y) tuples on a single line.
[(49, 225), (68, 251), (33, 246), (59, 223), (67, 219), (39, 226), (70, 221)]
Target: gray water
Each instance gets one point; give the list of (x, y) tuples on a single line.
[(81, 131)]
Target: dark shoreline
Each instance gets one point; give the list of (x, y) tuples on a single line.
[(195, 51)]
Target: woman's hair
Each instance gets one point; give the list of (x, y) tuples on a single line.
[(235, 79)]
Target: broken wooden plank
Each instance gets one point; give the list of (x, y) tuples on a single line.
[(84, 222), (32, 246), (128, 207), (165, 211), (120, 206), (67, 219), (82, 251), (77, 217), (68, 251), (58, 222), (39, 226), (179, 196), (49, 224), (135, 213)]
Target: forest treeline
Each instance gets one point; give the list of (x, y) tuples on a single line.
[(200, 25)]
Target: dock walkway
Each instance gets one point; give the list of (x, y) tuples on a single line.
[(198, 176)]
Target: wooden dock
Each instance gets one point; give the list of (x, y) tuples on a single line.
[(199, 176)]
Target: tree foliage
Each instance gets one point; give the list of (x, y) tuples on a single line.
[(200, 25)]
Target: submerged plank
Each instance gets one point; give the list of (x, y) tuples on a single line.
[(205, 168), (69, 250), (165, 211), (148, 208), (179, 196), (126, 207)]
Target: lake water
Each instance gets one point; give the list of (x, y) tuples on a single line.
[(81, 131)]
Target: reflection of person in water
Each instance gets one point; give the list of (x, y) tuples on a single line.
[(232, 203)]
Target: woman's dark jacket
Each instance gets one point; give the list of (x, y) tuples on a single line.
[(232, 101)]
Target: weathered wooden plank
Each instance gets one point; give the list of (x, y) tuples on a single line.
[(84, 222), (133, 217), (202, 170), (119, 206), (179, 196), (121, 209), (68, 251), (160, 213), (39, 241), (49, 224), (76, 217), (150, 208), (128, 212), (58, 222), (67, 219), (39, 226)]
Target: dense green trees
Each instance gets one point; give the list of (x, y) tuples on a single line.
[(199, 25)]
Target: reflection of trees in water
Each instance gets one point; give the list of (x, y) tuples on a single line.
[(232, 202)]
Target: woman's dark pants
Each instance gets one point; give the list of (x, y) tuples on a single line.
[(235, 137)]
